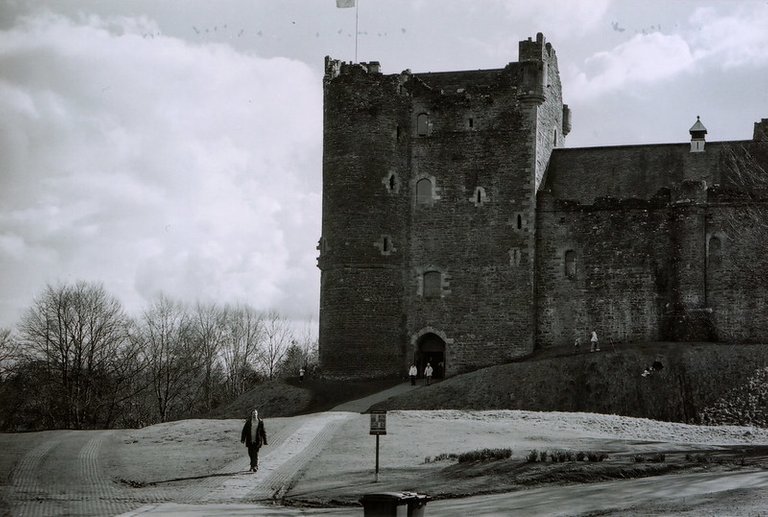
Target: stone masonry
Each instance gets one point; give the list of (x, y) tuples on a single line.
[(457, 230)]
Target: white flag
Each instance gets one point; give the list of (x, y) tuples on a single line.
[(345, 3)]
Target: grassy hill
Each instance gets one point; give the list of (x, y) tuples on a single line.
[(714, 382)]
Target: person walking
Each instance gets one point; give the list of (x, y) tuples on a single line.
[(301, 374), (594, 341), (254, 436), (428, 373), (412, 373)]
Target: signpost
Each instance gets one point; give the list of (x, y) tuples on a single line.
[(378, 427)]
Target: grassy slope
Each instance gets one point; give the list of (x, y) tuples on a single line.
[(695, 375)]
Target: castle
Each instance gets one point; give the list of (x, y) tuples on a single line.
[(458, 230)]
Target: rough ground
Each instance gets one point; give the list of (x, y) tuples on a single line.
[(199, 467)]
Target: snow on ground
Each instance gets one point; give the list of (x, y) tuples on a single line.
[(308, 455), (591, 425)]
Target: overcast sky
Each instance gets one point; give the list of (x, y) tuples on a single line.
[(175, 146)]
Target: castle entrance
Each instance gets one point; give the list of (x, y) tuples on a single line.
[(431, 349)]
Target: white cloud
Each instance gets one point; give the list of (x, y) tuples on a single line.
[(153, 164), (644, 59), (563, 19), (731, 35), (739, 38)]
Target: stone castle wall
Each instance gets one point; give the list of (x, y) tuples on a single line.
[(533, 245)]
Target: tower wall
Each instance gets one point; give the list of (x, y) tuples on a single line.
[(485, 258), (363, 229), (478, 138)]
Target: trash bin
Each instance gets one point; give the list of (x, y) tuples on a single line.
[(394, 504), (416, 504)]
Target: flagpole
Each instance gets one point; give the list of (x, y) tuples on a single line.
[(357, 11)]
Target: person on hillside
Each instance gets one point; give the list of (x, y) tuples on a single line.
[(594, 341), (301, 374), (254, 436), (428, 373), (577, 344), (412, 373)]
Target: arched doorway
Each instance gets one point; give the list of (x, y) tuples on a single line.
[(430, 348)]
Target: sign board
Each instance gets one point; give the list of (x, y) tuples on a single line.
[(378, 422)]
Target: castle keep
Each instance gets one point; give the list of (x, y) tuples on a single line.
[(457, 229)]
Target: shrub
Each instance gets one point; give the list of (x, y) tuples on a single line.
[(485, 455), (533, 456), (653, 458), (581, 455), (596, 456), (543, 456), (698, 458)]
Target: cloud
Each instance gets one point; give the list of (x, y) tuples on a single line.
[(564, 19), (711, 39), (733, 39), (644, 59), (152, 164)]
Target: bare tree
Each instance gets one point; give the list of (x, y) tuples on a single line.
[(165, 334), (277, 338), (8, 351), (78, 334), (243, 331), (208, 333)]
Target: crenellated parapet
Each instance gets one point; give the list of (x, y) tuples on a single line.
[(336, 67)]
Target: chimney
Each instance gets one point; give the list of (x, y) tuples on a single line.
[(697, 136)]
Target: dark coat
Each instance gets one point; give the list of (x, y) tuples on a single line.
[(261, 434)]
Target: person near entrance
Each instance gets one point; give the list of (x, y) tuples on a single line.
[(428, 373), (594, 342), (412, 373)]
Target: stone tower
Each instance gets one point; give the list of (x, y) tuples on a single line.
[(427, 251)]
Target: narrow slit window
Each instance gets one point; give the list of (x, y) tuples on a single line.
[(479, 196), (471, 122), (398, 132), (392, 182), (519, 222), (715, 251), (385, 244), (570, 264)]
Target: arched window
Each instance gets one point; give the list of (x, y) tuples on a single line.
[(433, 284), (422, 124), (715, 251), (424, 191), (570, 264)]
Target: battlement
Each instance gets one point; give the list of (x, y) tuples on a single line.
[(336, 67), (761, 131), (538, 50)]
